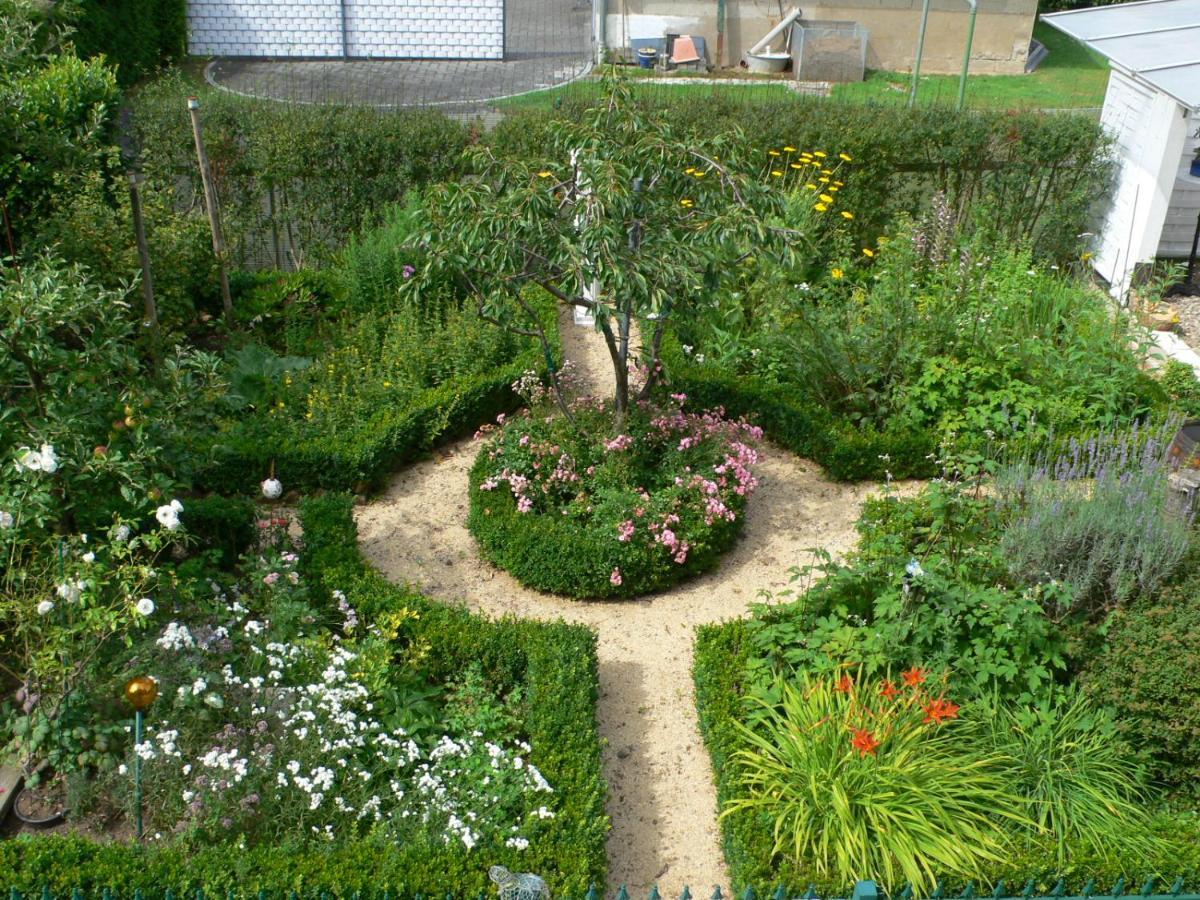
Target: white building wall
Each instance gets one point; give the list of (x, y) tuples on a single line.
[(1180, 226), (386, 29), (1149, 129)]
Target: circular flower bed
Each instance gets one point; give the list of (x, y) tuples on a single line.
[(590, 508)]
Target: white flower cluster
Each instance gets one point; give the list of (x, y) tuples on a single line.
[(168, 515), (302, 743), (43, 460)]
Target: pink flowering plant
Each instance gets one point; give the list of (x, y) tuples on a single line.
[(599, 506)]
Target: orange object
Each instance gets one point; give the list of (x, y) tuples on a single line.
[(684, 50)]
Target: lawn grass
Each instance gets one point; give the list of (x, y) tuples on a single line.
[(1071, 77), (592, 88)]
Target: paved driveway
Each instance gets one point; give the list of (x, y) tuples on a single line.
[(548, 42)]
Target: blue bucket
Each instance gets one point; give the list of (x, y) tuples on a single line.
[(647, 57)]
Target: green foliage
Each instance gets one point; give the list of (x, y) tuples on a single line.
[(224, 525), (922, 589), (722, 652), (860, 784), (135, 36), (1146, 673), (307, 176), (1098, 515), (1081, 785), (1038, 174), (293, 313), (1179, 380), (54, 120)]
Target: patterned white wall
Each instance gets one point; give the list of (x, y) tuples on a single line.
[(387, 29)]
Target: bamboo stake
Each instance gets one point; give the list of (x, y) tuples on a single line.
[(139, 230), (214, 212)]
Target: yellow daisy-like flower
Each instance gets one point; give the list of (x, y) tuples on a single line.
[(789, 149), (810, 186), (700, 174), (689, 170), (776, 172), (797, 165), (825, 198), (840, 183), (773, 152), (824, 179), (1086, 255), (821, 153), (833, 189), (837, 273), (545, 174), (846, 214), (846, 156), (820, 207), (827, 171), (685, 202), (868, 252)]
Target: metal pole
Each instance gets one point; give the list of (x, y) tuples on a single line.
[(214, 212), (139, 231), (137, 769), (962, 79), (720, 33), (916, 73)]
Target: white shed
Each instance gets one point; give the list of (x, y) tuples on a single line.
[(1152, 109)]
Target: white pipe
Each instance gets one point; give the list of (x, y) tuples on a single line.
[(776, 31)]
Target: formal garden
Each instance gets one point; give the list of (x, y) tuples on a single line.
[(839, 542)]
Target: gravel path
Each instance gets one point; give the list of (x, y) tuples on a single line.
[(662, 800)]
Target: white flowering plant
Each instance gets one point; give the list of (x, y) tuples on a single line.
[(275, 725)]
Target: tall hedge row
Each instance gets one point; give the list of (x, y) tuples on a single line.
[(135, 36)]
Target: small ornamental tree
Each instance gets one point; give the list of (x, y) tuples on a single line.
[(621, 218)]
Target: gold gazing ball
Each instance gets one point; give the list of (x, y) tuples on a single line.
[(141, 691)]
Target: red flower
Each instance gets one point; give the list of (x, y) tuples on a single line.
[(913, 676), (888, 689), (939, 711), (864, 742), (844, 685)]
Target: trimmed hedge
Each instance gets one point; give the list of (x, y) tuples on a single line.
[(845, 452), (561, 556), (555, 665), (224, 525), (360, 460), (722, 652)]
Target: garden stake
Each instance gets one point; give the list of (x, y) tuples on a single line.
[(140, 692), (214, 212), (139, 232)]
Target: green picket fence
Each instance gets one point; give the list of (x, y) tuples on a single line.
[(863, 890)]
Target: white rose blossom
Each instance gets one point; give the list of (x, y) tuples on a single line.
[(168, 515), (45, 607), (43, 460), (145, 606)]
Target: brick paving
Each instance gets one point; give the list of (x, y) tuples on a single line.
[(547, 42)]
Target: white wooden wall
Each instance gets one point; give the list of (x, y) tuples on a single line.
[(1150, 132)]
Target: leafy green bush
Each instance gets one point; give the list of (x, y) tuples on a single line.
[(1146, 673), (135, 36), (566, 509), (1082, 788), (722, 652), (860, 778), (293, 313), (225, 525), (925, 587)]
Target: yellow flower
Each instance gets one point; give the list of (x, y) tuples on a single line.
[(689, 170), (883, 239), (820, 207), (846, 214), (823, 179), (810, 186), (868, 252), (700, 174), (387, 384), (773, 152), (840, 183), (797, 165), (545, 174), (776, 172), (837, 273), (825, 198), (846, 156), (1086, 256), (789, 149), (827, 171), (821, 153)]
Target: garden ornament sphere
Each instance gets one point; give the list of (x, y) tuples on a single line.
[(141, 692), (272, 489)]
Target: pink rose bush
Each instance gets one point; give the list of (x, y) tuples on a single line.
[(592, 508)]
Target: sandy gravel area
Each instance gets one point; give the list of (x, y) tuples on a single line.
[(662, 799)]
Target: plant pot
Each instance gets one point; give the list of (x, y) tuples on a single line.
[(647, 57), (1195, 168), (42, 806)]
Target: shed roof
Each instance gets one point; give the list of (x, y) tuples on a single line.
[(1158, 41)]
